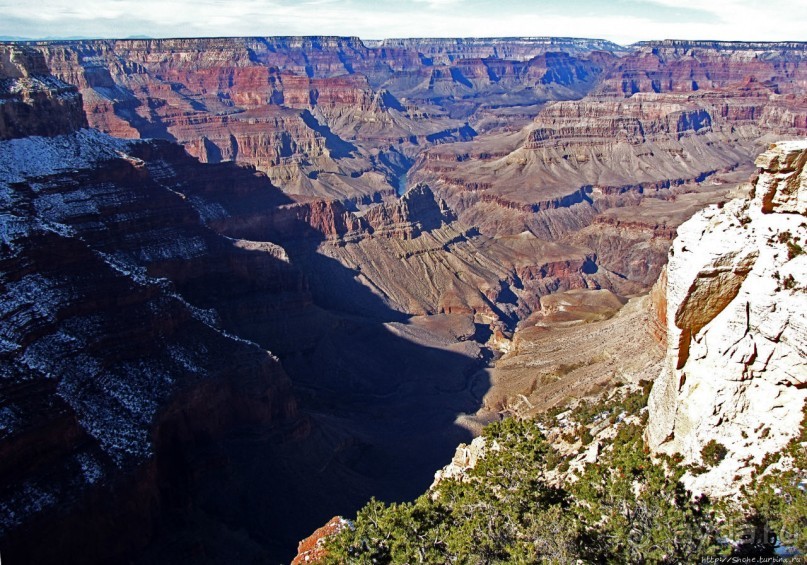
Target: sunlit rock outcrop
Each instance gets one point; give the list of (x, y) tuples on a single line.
[(737, 337)]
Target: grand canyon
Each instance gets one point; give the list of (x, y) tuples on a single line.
[(250, 283)]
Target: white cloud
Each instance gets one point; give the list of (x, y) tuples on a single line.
[(749, 19), (438, 3)]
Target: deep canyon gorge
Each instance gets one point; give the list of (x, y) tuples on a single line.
[(249, 283)]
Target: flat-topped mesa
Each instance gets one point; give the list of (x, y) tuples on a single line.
[(723, 45), (445, 50), (647, 116), (737, 338), (32, 102)]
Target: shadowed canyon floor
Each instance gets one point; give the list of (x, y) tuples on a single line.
[(337, 261), (371, 409)]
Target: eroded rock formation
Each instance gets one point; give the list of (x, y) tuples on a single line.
[(31, 101), (107, 367), (737, 340), (663, 121)]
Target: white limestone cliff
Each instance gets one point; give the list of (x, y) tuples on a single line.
[(736, 315)]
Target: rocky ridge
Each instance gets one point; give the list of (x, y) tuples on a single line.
[(32, 102), (734, 308)]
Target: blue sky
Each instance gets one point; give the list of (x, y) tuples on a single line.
[(622, 21)]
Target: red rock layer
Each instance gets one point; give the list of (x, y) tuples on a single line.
[(311, 549), (687, 66)]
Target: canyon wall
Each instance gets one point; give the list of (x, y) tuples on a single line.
[(110, 374), (115, 363), (32, 102), (737, 340), (546, 135), (153, 310), (665, 124)]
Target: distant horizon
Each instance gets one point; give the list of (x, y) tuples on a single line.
[(623, 22), (5, 38)]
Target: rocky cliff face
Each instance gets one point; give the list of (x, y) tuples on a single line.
[(120, 308), (737, 339), (114, 359), (31, 101)]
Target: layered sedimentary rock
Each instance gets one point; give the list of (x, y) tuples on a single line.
[(662, 121), (115, 364), (31, 101), (499, 81), (452, 269), (320, 115), (737, 342), (632, 241), (227, 100), (382, 310), (686, 66), (578, 155)]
